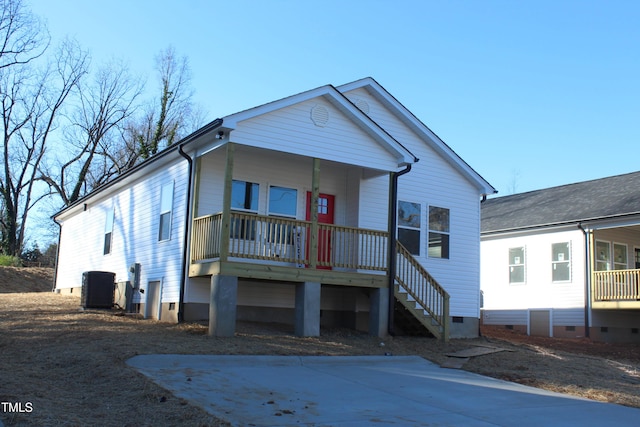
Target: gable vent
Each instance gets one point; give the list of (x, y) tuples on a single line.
[(320, 115), (362, 105)]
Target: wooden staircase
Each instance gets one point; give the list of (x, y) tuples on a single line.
[(420, 294)]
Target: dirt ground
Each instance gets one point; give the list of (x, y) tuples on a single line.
[(69, 364)]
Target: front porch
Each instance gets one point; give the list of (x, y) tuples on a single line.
[(257, 234), (310, 255)]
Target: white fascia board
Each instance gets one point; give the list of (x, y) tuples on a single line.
[(407, 117), (338, 100), (117, 185)]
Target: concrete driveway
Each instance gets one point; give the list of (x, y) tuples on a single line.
[(364, 391)]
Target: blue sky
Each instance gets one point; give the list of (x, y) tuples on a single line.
[(531, 94)]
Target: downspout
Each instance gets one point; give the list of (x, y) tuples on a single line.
[(587, 279), (187, 230), (393, 219)]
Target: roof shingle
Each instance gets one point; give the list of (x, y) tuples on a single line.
[(587, 200)]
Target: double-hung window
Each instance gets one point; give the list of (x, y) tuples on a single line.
[(108, 232), (561, 262), (620, 256), (283, 202), (603, 256), (244, 198), (516, 265), (166, 206), (438, 232), (409, 226)]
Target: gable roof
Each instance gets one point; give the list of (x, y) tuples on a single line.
[(598, 199), (409, 119), (330, 94)]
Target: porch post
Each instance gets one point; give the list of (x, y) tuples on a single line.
[(315, 193), (591, 266), (307, 321), (226, 204), (222, 305)]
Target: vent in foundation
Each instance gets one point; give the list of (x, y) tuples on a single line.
[(570, 328), (604, 329), (634, 330), (172, 306), (509, 326), (457, 319)]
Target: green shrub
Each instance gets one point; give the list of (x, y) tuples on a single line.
[(10, 261)]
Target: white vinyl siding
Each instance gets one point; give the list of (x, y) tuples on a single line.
[(291, 130), (540, 291), (434, 182), (135, 231), (271, 169)]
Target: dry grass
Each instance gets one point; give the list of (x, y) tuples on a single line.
[(70, 364)]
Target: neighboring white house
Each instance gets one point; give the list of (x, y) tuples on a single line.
[(565, 261), (282, 213)]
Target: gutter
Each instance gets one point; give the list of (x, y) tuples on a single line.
[(187, 221), (587, 280), (393, 220)]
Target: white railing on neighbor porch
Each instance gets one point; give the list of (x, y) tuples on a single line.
[(616, 285)]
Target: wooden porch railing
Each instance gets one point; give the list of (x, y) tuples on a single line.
[(616, 285), (416, 281), (288, 240)]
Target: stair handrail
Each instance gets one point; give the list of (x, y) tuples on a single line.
[(423, 288)]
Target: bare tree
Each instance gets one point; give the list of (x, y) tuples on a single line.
[(22, 36), (31, 101), (166, 121), (92, 138)]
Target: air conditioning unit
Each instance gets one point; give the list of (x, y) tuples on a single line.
[(97, 289)]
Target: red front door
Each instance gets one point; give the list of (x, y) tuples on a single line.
[(325, 216)]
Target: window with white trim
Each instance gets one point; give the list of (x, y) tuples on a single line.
[(108, 232), (409, 222), (561, 262), (283, 202), (438, 232), (620, 261), (516, 265), (244, 198), (166, 207), (603, 256)]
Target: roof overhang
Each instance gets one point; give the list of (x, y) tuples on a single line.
[(154, 162), (411, 121), (334, 97)]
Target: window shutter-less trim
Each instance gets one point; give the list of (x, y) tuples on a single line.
[(166, 206)]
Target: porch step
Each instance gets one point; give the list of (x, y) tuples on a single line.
[(412, 314), (406, 323)]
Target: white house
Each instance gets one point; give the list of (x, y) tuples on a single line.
[(282, 213), (565, 261)]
